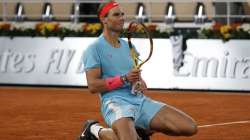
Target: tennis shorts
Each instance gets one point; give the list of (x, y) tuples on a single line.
[(142, 110)]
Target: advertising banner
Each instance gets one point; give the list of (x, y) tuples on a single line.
[(203, 65)]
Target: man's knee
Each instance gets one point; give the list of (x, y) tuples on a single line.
[(183, 129), (189, 129)]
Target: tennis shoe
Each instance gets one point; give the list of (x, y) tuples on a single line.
[(86, 134)]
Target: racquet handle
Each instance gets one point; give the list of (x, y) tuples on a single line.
[(136, 88)]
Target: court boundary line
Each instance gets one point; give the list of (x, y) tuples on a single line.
[(223, 124)]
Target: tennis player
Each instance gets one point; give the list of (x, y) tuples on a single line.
[(109, 71)]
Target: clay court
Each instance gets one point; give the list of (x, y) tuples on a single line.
[(57, 113)]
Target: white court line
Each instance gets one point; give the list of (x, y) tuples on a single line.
[(221, 124)]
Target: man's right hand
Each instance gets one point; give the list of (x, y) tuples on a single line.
[(134, 75)]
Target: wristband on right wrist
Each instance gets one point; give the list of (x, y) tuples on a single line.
[(124, 79), (113, 82)]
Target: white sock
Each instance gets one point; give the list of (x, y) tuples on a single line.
[(94, 129)]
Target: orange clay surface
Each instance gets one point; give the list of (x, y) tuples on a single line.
[(58, 113)]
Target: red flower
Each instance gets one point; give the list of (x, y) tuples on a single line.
[(217, 26), (152, 27)]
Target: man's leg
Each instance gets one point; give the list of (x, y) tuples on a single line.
[(107, 134), (124, 128), (172, 121)]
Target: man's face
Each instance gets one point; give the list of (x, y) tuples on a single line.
[(115, 19)]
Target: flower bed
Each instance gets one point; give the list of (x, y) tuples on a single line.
[(47, 29), (225, 32)]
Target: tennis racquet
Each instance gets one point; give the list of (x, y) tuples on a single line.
[(139, 29)]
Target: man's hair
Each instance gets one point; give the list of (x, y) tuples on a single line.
[(100, 8)]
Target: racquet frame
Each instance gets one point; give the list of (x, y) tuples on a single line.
[(131, 28)]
